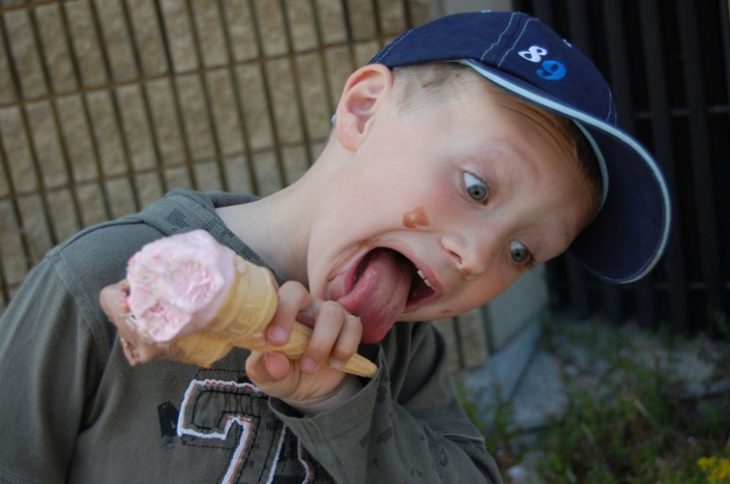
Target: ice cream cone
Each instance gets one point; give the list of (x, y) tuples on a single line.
[(294, 348), (246, 312)]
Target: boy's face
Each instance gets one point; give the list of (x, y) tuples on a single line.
[(441, 208)]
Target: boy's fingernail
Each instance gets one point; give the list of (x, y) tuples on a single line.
[(277, 335), (308, 365), (337, 364)]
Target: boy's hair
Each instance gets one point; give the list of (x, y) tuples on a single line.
[(421, 85)]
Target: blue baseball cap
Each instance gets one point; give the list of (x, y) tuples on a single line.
[(525, 57)]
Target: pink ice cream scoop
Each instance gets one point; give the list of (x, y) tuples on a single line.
[(193, 299), (177, 284)]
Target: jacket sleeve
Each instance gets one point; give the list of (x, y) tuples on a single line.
[(405, 425), (45, 348)]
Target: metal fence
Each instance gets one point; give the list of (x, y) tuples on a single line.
[(669, 64)]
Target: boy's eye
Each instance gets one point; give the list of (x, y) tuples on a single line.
[(476, 187), (520, 254)]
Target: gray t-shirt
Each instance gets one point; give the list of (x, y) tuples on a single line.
[(73, 410)]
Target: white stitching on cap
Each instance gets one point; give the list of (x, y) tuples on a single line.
[(524, 27), (610, 108), (499, 39), (385, 51)]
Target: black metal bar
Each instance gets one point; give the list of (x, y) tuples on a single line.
[(580, 306), (663, 150), (621, 82), (579, 26), (710, 256), (725, 29), (578, 286), (545, 11), (580, 36), (577, 277)]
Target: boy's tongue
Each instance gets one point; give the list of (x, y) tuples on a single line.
[(380, 293)]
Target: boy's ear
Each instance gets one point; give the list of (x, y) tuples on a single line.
[(362, 97)]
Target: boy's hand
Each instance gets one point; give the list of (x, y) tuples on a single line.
[(314, 378)]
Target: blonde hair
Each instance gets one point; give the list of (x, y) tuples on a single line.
[(422, 85)]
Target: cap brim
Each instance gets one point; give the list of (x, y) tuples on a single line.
[(627, 237)]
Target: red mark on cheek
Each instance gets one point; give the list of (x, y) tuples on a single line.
[(415, 218)]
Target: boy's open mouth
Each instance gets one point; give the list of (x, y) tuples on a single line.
[(383, 286)]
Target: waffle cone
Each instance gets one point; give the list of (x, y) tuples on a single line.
[(248, 308), (294, 348)]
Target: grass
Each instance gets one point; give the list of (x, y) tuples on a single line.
[(636, 412)]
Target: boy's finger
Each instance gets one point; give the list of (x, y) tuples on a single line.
[(347, 342), (293, 297), (329, 323), (113, 299), (266, 369), (277, 365)]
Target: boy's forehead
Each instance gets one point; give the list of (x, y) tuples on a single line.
[(437, 85), (505, 125)]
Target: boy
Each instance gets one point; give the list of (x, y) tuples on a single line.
[(436, 190)]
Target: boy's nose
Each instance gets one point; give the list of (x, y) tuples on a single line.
[(472, 254)]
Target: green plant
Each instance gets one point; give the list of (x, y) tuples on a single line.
[(628, 417), (634, 426)]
